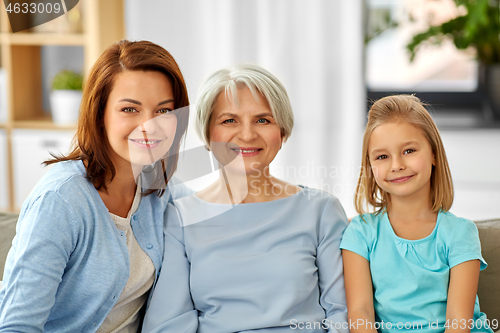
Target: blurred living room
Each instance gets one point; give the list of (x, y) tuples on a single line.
[(334, 57)]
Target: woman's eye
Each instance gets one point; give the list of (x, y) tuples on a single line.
[(408, 151), (129, 110), (381, 157), (228, 121), (164, 111), (263, 121)]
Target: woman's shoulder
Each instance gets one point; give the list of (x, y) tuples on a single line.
[(66, 180)]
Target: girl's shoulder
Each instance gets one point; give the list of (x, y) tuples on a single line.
[(451, 224), (368, 220)]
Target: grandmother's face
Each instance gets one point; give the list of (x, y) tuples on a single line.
[(248, 130)]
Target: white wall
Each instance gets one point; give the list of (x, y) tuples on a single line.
[(313, 47), (474, 157)]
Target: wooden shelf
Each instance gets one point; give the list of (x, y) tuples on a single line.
[(27, 38), (20, 55), (43, 124)]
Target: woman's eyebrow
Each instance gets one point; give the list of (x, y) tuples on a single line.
[(166, 101), (264, 114), (232, 115), (139, 103), (130, 101)]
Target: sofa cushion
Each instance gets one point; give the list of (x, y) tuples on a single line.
[(7, 232), (489, 279)]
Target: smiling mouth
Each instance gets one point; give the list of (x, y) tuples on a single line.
[(148, 143), (401, 179), (244, 151)]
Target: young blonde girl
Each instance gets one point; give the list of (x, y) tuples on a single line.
[(411, 264)]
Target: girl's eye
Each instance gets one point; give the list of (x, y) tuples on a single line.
[(263, 121), (408, 151), (228, 121), (164, 111), (129, 110), (381, 157)]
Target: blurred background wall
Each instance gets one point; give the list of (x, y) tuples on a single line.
[(314, 47)]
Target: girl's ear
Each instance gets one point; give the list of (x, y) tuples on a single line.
[(433, 160)]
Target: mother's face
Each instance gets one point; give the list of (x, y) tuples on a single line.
[(139, 118), (248, 130)]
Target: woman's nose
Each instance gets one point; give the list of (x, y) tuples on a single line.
[(150, 124), (247, 132)]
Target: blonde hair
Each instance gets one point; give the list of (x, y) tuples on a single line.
[(228, 80), (410, 109)]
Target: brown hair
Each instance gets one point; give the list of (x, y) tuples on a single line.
[(91, 142), (410, 109)]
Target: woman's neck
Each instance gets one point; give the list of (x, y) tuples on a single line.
[(235, 188), (120, 191)]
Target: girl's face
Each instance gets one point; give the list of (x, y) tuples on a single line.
[(138, 118), (249, 131), (401, 159)]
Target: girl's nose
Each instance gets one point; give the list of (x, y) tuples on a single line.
[(397, 165)]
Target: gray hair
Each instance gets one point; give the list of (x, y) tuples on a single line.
[(258, 80)]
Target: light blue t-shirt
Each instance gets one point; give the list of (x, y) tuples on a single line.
[(410, 277), (269, 267)]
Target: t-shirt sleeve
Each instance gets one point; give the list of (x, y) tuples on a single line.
[(358, 237), (464, 244)]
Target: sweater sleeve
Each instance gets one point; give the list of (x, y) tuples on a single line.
[(36, 262), (171, 308), (329, 262)]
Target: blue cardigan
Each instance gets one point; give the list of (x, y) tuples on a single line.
[(69, 262)]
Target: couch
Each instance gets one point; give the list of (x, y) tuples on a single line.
[(489, 279)]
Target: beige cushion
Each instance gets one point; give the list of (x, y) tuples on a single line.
[(7, 232), (489, 280)]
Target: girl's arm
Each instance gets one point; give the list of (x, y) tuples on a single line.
[(359, 292), (462, 291)]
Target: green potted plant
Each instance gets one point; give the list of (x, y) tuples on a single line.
[(478, 28), (66, 97)]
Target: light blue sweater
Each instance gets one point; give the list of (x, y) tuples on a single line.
[(69, 262), (270, 267)]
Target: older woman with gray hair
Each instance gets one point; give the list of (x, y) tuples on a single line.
[(250, 252)]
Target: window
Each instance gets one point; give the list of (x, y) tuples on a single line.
[(440, 75)]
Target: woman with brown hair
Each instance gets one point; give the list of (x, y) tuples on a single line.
[(89, 242)]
